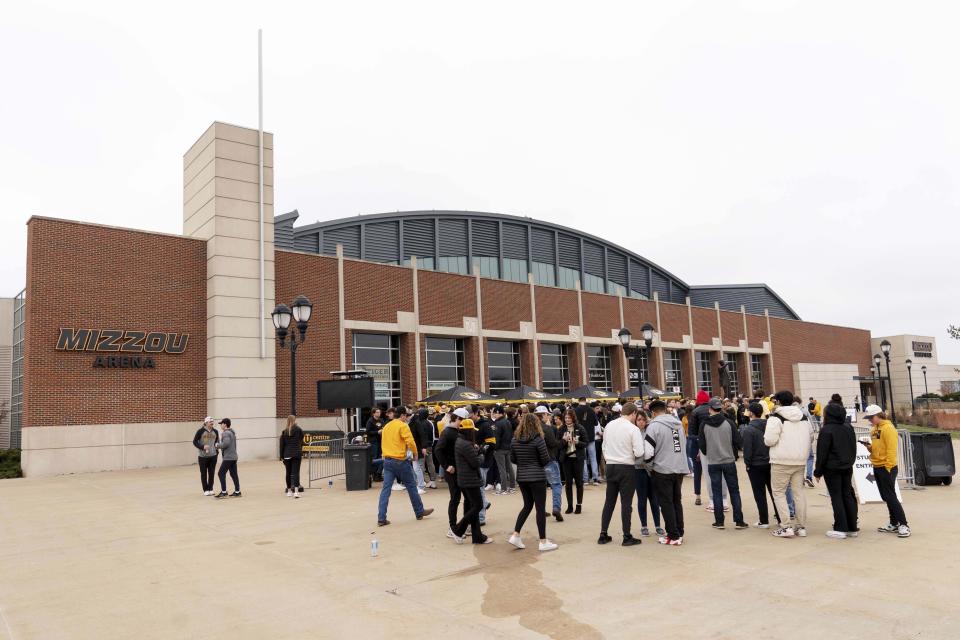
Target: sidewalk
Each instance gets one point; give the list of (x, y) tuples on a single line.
[(144, 554)]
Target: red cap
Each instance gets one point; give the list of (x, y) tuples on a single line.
[(702, 397)]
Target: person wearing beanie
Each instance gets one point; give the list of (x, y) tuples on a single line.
[(423, 433), (836, 453), (790, 438), (469, 457), (883, 456), (756, 458), (695, 419)]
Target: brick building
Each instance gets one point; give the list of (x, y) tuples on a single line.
[(131, 337)]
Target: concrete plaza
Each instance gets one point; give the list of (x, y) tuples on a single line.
[(144, 554)]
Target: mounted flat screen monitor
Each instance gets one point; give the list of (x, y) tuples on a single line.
[(344, 394)]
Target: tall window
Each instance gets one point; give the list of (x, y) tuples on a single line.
[(379, 355), (444, 364), (731, 361), (756, 372), (616, 289), (673, 370), (593, 283), (598, 368), (514, 269), (704, 375), (452, 264), (16, 395), (568, 277), (639, 367), (638, 295), (487, 265), (543, 274), (504, 365), (556, 373)]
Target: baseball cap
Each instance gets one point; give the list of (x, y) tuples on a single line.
[(541, 409), (617, 407), (461, 413), (225, 421), (467, 424), (716, 403), (871, 411)]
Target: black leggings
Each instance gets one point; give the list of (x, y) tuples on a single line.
[(208, 465), (534, 495), (472, 504), (455, 495), (842, 498), (231, 466), (573, 472), (292, 476)]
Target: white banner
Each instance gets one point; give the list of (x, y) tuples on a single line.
[(864, 479)]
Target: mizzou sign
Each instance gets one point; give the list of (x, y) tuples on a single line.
[(128, 344)]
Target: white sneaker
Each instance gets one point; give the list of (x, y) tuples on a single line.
[(296, 494), (458, 539), (432, 485), (421, 491), (548, 546), (761, 526), (801, 532), (888, 528), (289, 493), (398, 487), (903, 531), (498, 487), (853, 534), (839, 535), (208, 493), (784, 532), (489, 487), (450, 533), (516, 541)]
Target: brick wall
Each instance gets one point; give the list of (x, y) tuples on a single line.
[(732, 326), (795, 341), (674, 321), (556, 310), (600, 314), (704, 325), (756, 331), (375, 292), (95, 277), (445, 298)]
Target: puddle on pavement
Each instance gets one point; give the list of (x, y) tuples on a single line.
[(516, 589)]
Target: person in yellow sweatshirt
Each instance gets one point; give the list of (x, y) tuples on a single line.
[(399, 456), (883, 455)]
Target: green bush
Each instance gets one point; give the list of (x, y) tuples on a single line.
[(10, 464), (951, 397)]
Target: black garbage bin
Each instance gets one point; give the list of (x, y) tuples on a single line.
[(933, 459), (356, 463)]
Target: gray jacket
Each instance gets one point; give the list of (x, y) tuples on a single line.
[(228, 444), (665, 435), (719, 440)]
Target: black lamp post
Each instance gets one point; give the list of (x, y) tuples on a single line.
[(646, 331), (299, 311), (885, 348), (924, 369), (913, 406), (882, 395)]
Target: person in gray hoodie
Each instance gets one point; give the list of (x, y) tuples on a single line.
[(665, 454), (720, 441), (205, 440), (228, 447)]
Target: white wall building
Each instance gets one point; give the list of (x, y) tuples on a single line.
[(922, 351)]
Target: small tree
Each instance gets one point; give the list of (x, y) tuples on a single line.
[(955, 334), (4, 411)]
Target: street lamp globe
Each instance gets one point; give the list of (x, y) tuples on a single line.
[(923, 368), (624, 336), (302, 308), (647, 331), (885, 347), (909, 363), (876, 360), (281, 316)]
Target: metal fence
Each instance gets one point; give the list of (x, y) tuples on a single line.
[(905, 466), (324, 459)]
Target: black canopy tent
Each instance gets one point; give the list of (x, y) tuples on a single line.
[(460, 395), (526, 393), (590, 393), (645, 392)]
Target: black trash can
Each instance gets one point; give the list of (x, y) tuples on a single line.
[(933, 459), (356, 463)]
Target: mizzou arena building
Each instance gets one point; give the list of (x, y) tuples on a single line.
[(128, 338)]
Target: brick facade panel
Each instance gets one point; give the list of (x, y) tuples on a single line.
[(600, 314), (375, 292), (445, 298), (704, 325), (732, 326), (795, 342), (675, 322), (556, 310), (637, 313), (91, 277), (505, 304), (756, 331)]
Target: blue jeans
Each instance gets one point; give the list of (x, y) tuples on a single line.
[(591, 472), (402, 469), (553, 479), (646, 493), (483, 494), (693, 458), (375, 453), (809, 473), (791, 505), (719, 473)]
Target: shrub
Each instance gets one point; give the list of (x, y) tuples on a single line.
[(10, 464)]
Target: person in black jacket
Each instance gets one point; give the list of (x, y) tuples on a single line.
[(205, 440), (469, 457), (573, 443), (589, 420), (374, 426), (445, 450), (694, 420), (503, 432), (756, 458), (836, 453), (423, 431), (552, 468), (291, 450), (529, 452)]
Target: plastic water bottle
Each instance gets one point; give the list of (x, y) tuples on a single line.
[(374, 547)]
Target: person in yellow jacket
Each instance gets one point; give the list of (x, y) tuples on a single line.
[(399, 455), (883, 456)]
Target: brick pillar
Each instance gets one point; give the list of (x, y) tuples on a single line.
[(618, 369), (575, 365), (408, 369), (527, 363), (689, 375), (653, 366), (471, 363)]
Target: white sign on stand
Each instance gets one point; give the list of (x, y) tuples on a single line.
[(863, 477)]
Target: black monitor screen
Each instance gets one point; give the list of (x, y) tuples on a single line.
[(344, 394)]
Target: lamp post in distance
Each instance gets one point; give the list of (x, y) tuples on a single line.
[(885, 349), (646, 331), (913, 406), (925, 390), (878, 377), (299, 311)]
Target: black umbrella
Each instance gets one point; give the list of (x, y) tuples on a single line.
[(645, 391), (459, 395), (590, 393), (526, 393)]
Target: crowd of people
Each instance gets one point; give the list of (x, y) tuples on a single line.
[(640, 451)]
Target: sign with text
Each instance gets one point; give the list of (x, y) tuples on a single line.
[(128, 344), (863, 478), (318, 442)]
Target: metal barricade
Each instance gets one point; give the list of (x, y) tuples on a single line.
[(905, 466), (324, 459)]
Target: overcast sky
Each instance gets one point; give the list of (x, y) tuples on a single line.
[(811, 146)]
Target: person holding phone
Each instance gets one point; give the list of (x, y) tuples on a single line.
[(883, 455)]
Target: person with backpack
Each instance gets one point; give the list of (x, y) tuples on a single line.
[(756, 459), (469, 456), (291, 452), (790, 438), (529, 452), (228, 447), (205, 440), (836, 454)]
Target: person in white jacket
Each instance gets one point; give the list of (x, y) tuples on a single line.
[(790, 438)]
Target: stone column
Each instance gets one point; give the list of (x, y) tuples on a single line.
[(221, 205)]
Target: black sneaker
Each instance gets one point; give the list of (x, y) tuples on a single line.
[(222, 494), (578, 509), (718, 525), (556, 514), (742, 525), (629, 541), (236, 494), (604, 539), (569, 509)]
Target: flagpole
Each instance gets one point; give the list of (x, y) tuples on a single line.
[(263, 342)]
